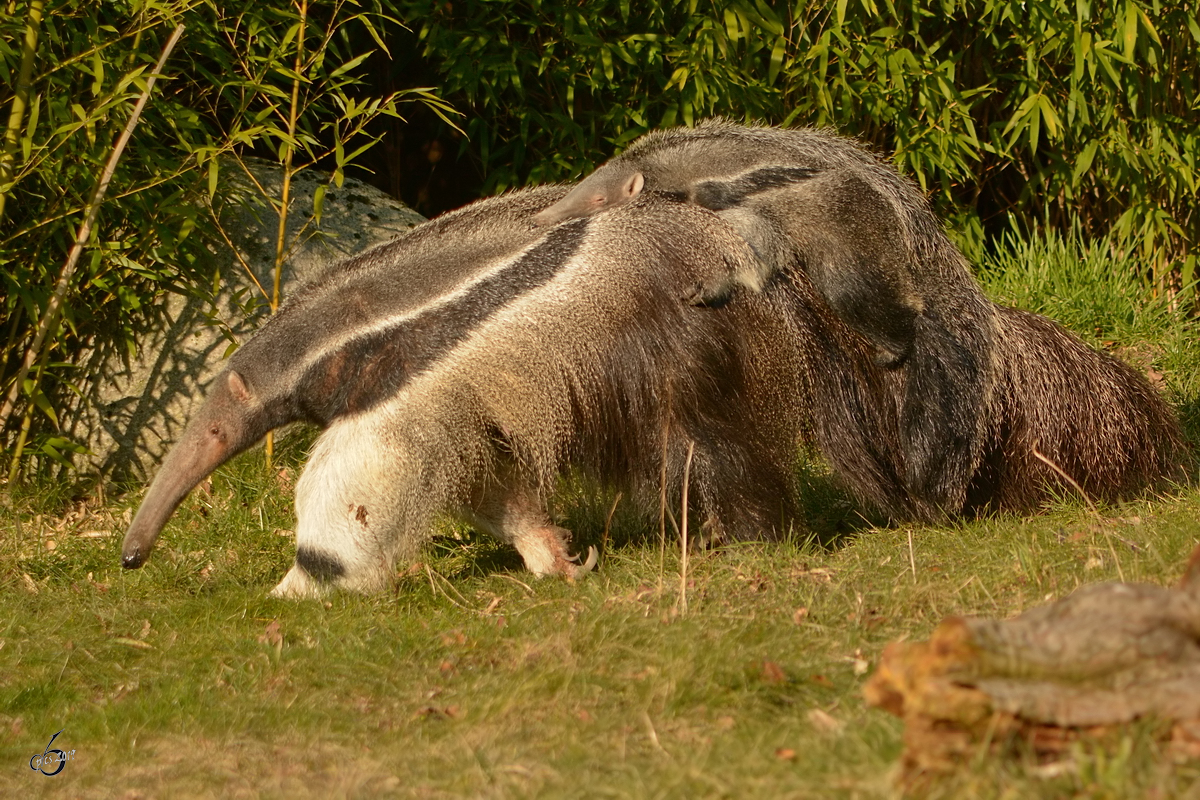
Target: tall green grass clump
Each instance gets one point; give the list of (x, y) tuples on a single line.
[(1088, 286)]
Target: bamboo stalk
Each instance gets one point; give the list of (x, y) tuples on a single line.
[(16, 116), (288, 153), (14, 470), (50, 315), (285, 193)]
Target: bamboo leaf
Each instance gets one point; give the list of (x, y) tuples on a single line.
[(1082, 45), (319, 202), (1049, 117), (1129, 35), (1033, 130), (350, 65), (42, 403), (1148, 24), (1084, 162), (213, 175), (731, 24), (1023, 112), (777, 55), (765, 17)]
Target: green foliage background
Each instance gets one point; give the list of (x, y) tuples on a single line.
[(268, 79), (1054, 112), (1072, 118)]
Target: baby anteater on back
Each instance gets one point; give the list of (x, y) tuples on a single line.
[(851, 234), (816, 203)]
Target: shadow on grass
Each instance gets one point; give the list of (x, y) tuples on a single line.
[(828, 520), (470, 554)]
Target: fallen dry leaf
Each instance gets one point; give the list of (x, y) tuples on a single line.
[(271, 634), (95, 534), (447, 712), (283, 479), (135, 643), (824, 722), (773, 673), (454, 637)]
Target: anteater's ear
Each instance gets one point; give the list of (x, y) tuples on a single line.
[(633, 186), (238, 388)]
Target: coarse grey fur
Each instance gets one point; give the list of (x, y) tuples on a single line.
[(549, 351), (813, 202), (1096, 419)]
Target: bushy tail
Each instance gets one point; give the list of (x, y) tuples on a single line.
[(1097, 420)]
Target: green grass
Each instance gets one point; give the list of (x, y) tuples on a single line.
[(1107, 302), (472, 679)]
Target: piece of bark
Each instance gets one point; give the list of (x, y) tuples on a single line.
[(1076, 668)]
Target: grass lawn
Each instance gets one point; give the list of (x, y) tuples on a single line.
[(472, 679)]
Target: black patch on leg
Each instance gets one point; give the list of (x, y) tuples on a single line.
[(320, 565)]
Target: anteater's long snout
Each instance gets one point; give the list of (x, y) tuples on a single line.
[(226, 424)]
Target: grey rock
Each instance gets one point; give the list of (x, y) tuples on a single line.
[(132, 406)]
